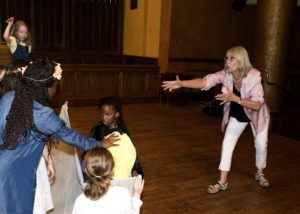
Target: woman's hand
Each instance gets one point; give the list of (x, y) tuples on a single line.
[(246, 103), (229, 97), (171, 85), (138, 187), (110, 141)]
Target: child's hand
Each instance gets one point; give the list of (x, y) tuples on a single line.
[(51, 172), (138, 187), (2, 73), (10, 21), (110, 141)]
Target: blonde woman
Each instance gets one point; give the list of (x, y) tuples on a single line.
[(243, 99), (99, 195)]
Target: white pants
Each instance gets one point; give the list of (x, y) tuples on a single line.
[(233, 132)]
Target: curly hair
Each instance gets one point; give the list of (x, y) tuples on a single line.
[(99, 168), (12, 76), (33, 87), (116, 103)]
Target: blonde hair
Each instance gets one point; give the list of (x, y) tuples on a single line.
[(15, 29), (99, 168), (242, 57)]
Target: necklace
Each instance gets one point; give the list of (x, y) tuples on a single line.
[(236, 81)]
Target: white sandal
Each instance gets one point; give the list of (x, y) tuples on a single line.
[(261, 179), (212, 189)]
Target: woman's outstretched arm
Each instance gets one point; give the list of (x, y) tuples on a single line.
[(174, 84)]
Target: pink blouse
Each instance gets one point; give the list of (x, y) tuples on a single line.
[(251, 89)]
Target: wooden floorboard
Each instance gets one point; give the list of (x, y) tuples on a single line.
[(179, 148)]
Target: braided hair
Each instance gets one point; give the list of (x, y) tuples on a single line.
[(36, 80)]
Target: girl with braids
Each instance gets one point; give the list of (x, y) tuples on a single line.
[(45, 173), (26, 123), (99, 195)]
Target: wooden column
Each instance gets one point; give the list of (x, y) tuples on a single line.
[(165, 28), (273, 29)]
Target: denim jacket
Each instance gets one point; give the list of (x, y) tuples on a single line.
[(18, 166)]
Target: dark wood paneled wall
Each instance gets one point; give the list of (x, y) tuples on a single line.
[(20, 9), (94, 57), (195, 34), (201, 31), (4, 54), (205, 29), (68, 25), (294, 55), (84, 84)]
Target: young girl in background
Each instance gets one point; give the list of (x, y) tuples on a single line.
[(18, 39), (99, 195)]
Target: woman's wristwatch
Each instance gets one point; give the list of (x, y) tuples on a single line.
[(240, 101)]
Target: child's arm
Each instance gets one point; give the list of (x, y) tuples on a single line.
[(50, 165), (137, 191), (2, 73), (10, 23)]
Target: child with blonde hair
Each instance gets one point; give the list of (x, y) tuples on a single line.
[(18, 39)]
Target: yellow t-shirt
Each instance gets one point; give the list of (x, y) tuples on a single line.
[(13, 45), (124, 156)]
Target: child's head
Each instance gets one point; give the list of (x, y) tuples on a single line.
[(21, 32), (99, 168), (111, 110), (39, 76), (11, 76)]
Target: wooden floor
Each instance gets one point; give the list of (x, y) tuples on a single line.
[(179, 148)]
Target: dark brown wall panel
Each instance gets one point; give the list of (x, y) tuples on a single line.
[(4, 54), (69, 25), (205, 29), (84, 84)]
